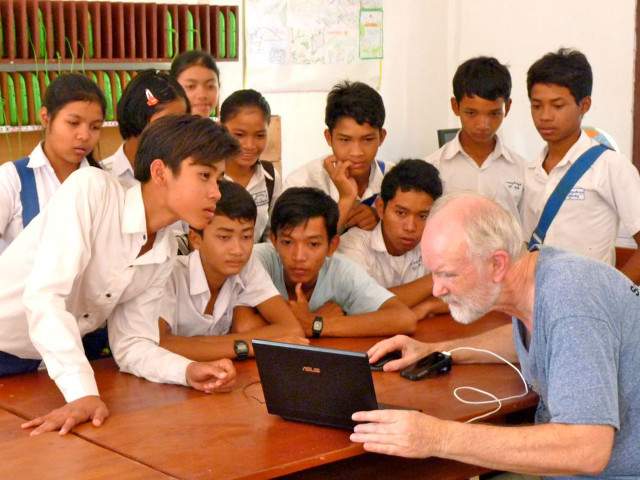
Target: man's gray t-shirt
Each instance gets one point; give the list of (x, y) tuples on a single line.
[(340, 280), (584, 355)]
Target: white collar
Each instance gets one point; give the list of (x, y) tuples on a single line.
[(582, 144), (376, 239), (198, 284), (37, 158), (453, 147), (134, 222), (120, 164)]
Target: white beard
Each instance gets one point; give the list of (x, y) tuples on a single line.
[(474, 305)]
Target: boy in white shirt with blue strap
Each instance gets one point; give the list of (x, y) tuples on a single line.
[(559, 87), (208, 309), (99, 252)]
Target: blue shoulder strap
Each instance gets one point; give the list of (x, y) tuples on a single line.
[(369, 201), (28, 191), (557, 198)]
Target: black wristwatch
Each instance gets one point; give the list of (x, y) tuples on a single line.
[(242, 349), (316, 327)]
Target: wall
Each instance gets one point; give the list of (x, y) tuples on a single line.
[(425, 40)]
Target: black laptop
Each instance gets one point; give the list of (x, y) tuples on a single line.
[(317, 385)]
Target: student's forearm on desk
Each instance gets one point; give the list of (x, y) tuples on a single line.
[(412, 293), (393, 317), (213, 347)]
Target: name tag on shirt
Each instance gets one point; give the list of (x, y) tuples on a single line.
[(416, 264), (514, 187), (261, 198), (576, 193)]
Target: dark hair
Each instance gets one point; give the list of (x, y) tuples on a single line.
[(191, 58), (568, 68), (356, 100), (235, 202), (484, 77), (176, 137), (411, 175), (135, 109), (297, 205), (244, 98), (73, 87)]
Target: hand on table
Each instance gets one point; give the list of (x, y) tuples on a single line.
[(406, 433), (73, 413), (412, 351), (215, 376), (330, 309)]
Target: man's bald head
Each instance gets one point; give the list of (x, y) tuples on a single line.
[(469, 223)]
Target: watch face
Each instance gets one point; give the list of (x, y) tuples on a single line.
[(316, 327), (241, 347)]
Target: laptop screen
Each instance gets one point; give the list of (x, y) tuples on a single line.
[(312, 384)]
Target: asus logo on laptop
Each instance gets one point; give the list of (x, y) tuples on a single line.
[(311, 369)]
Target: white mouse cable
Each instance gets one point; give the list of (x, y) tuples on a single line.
[(494, 399)]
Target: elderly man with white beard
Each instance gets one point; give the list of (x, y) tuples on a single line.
[(575, 331)]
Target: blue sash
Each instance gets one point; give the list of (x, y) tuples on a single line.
[(28, 191), (557, 198)]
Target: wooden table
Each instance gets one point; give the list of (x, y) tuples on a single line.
[(187, 434), (52, 456)]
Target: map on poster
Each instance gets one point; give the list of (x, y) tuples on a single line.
[(309, 45)]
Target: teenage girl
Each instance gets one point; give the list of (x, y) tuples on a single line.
[(72, 114), (198, 74), (147, 97), (246, 114)]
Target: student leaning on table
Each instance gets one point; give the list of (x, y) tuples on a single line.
[(100, 252), (576, 330)]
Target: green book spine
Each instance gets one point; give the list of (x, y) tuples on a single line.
[(222, 36), (233, 48)]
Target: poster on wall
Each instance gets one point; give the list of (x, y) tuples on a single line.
[(310, 45)]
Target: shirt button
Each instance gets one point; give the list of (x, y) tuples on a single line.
[(108, 295)]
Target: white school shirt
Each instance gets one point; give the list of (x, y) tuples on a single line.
[(500, 177), (367, 248), (257, 187), (10, 205), (187, 295), (587, 222), (75, 266), (313, 174), (120, 167)]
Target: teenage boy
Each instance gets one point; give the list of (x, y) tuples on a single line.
[(319, 285), (390, 253), (213, 291), (100, 252), (351, 176), (477, 159), (559, 87)]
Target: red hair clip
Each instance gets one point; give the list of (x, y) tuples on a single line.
[(151, 100)]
